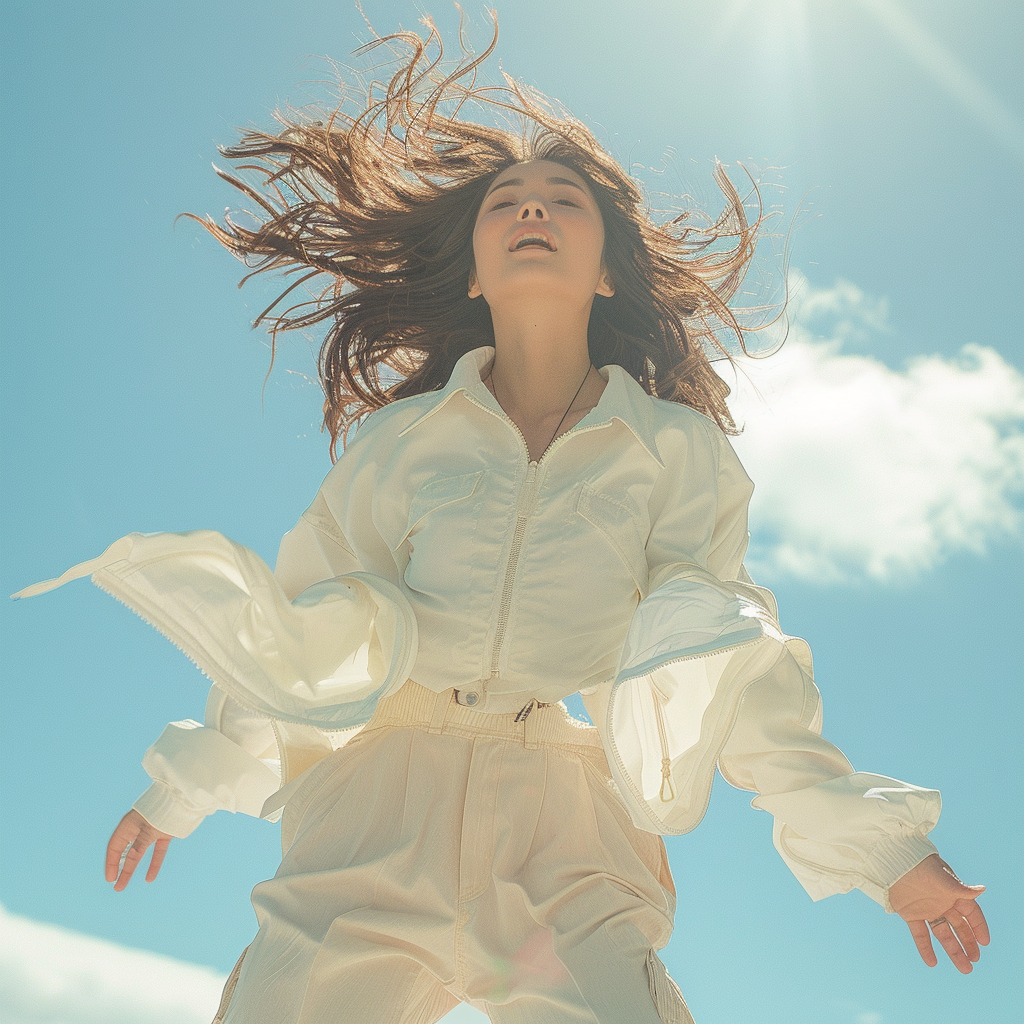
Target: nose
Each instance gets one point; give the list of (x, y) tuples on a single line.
[(532, 209)]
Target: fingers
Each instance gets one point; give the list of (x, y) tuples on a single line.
[(132, 837), (132, 856), (963, 929), (965, 936), (959, 931), (923, 941), (159, 852), (975, 918), (956, 934), (124, 835), (948, 939)]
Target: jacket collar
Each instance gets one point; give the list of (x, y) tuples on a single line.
[(623, 399)]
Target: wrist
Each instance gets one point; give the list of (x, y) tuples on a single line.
[(166, 810)]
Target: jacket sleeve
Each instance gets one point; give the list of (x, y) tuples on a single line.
[(707, 677), (239, 759), (230, 762), (837, 829), (299, 657)]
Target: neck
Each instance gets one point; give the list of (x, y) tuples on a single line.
[(541, 357)]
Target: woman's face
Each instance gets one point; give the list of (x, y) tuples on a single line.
[(538, 234)]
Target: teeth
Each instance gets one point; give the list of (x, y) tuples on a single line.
[(533, 240)]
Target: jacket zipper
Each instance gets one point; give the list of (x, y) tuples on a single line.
[(529, 493), (614, 750), (666, 761), (659, 716), (523, 512), (522, 437)]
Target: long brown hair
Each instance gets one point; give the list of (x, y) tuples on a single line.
[(380, 205)]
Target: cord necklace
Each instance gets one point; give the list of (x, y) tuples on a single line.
[(494, 391)]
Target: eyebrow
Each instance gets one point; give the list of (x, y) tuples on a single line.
[(550, 181)]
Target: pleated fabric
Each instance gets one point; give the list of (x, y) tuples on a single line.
[(447, 855)]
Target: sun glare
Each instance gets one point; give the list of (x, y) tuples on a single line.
[(782, 25), (949, 73)]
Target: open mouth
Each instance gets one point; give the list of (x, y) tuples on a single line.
[(532, 241)]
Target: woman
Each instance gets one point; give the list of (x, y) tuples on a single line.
[(543, 501)]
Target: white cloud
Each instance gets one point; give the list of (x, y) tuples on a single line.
[(864, 470), (50, 975), (857, 1013)]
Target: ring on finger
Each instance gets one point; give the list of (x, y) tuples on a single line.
[(936, 922)]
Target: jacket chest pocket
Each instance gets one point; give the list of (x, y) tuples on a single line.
[(621, 527), (435, 494)]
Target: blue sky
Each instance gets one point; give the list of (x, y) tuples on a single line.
[(887, 457)]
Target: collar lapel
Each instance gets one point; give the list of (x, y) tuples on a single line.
[(623, 399)]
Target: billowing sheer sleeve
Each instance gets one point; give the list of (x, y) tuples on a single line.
[(707, 678), (298, 657), (240, 758)]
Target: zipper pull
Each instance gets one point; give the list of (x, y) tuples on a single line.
[(529, 492), (666, 781), (525, 710)]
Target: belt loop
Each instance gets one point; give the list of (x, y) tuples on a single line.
[(531, 727), (439, 715)]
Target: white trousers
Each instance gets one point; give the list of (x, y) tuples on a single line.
[(448, 855)]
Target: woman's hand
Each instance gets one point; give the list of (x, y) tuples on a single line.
[(130, 840), (930, 895)]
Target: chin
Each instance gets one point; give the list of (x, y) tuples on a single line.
[(537, 283)]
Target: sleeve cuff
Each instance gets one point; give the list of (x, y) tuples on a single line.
[(891, 859), (165, 809)]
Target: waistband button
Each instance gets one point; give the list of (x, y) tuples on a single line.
[(468, 698)]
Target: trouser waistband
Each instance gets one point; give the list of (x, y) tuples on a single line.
[(530, 722)]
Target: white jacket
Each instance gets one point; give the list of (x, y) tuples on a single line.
[(435, 549)]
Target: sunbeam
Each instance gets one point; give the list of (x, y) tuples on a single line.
[(950, 73)]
